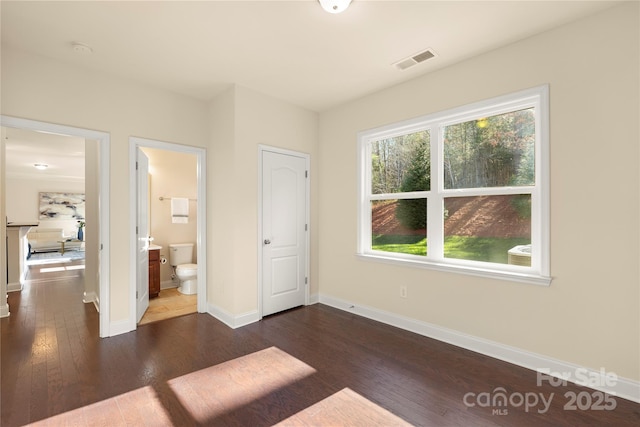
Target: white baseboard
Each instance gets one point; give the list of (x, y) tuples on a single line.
[(4, 311), (231, 320), (89, 297), (314, 299), (168, 284), (621, 387), (120, 327), (14, 287), (247, 318), (92, 298)]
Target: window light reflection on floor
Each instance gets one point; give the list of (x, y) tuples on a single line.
[(137, 407), (213, 391), (56, 269), (345, 407), (205, 394)]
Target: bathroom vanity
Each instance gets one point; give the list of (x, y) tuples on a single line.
[(154, 270)]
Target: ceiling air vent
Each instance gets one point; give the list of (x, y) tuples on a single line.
[(415, 59)]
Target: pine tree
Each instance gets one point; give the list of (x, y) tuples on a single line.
[(412, 213)]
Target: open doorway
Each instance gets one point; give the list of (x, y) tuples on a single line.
[(61, 201), (46, 193), (172, 175)]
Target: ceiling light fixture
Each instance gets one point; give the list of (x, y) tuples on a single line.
[(335, 6), (40, 166)]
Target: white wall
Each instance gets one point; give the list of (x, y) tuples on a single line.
[(589, 315), (220, 165), (236, 123), (241, 120), (264, 120), (40, 89)]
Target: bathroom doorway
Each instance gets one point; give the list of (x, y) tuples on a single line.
[(175, 174)]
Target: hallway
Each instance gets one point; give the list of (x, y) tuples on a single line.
[(48, 342)]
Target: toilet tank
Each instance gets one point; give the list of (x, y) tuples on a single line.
[(180, 253)]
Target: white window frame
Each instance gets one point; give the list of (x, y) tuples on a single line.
[(538, 272)]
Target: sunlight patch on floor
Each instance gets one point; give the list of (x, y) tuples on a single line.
[(63, 268), (345, 407), (213, 391), (221, 389), (204, 394), (135, 408)]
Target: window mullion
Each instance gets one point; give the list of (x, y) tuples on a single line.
[(435, 218), (364, 208)]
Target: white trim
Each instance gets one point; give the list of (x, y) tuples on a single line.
[(543, 176), (90, 297), (4, 311), (133, 252), (120, 327), (624, 387), (307, 158), (14, 286), (231, 320), (314, 299), (221, 314), (539, 271), (245, 319), (201, 236), (104, 246), (168, 284), (103, 139), (511, 276)]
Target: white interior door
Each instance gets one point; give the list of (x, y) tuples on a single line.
[(284, 232), (142, 215)]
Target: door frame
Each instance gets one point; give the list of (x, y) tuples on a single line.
[(142, 215), (201, 234), (103, 139), (307, 158)]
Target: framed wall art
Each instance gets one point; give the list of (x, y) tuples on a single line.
[(62, 205)]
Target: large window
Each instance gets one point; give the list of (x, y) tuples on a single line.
[(462, 190)]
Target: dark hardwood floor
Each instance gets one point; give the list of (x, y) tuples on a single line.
[(309, 366)]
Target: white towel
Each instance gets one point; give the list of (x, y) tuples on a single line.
[(179, 210)]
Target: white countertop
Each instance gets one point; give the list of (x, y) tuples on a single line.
[(154, 247)]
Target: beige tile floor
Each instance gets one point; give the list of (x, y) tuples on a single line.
[(169, 303)]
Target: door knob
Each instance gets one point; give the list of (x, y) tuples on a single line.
[(267, 241)]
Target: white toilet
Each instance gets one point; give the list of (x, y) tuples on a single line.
[(181, 259)]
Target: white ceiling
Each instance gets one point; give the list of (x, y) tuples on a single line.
[(291, 50), (63, 154)]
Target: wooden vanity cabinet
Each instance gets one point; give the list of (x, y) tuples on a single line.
[(154, 273)]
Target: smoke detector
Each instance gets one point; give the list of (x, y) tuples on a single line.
[(415, 59), (81, 48)]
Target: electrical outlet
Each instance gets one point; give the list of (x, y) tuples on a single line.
[(403, 291)]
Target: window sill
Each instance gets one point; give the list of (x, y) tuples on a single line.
[(512, 276)]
